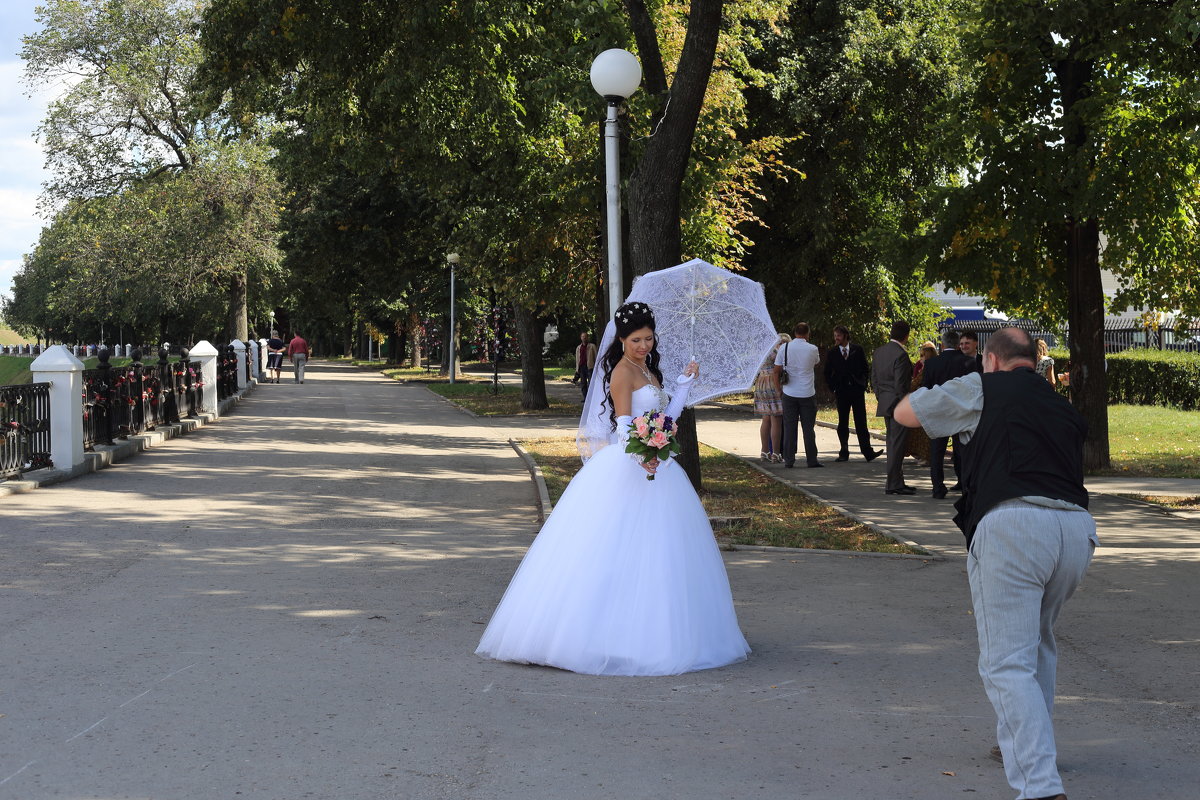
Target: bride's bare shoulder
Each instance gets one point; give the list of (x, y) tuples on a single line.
[(623, 376)]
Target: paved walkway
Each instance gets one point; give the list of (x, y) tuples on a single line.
[(284, 604)]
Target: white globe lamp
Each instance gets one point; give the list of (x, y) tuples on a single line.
[(616, 73)]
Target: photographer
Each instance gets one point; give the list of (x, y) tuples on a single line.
[(1029, 536)]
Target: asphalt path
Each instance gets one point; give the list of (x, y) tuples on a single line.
[(284, 605)]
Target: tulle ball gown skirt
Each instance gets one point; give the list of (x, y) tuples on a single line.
[(624, 578)]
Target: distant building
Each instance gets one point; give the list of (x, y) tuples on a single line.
[(1122, 330)]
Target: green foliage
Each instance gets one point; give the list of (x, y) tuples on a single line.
[(482, 118), (857, 87), (125, 114), (159, 209), (1085, 110), (161, 248), (1155, 378)]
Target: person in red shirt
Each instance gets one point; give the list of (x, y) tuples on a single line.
[(299, 352)]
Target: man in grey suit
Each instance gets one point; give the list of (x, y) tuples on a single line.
[(891, 376)]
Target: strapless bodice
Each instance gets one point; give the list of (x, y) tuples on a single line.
[(649, 398)]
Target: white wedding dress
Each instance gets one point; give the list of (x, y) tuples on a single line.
[(625, 577)]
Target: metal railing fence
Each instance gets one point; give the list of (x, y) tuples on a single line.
[(24, 428)]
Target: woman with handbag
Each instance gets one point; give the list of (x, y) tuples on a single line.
[(768, 403)]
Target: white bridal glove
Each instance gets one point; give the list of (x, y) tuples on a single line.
[(623, 423), (683, 385)]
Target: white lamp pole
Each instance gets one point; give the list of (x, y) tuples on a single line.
[(452, 260), (616, 74)]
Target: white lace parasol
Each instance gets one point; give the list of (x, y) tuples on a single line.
[(710, 315)]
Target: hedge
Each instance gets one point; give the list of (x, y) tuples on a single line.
[(1149, 377), (1155, 378)]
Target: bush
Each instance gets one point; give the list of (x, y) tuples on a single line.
[(1155, 378)]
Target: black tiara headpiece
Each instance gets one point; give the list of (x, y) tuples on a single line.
[(628, 311)]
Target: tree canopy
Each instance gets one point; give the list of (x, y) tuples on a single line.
[(1083, 126)]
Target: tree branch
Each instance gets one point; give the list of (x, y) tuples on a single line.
[(646, 37)]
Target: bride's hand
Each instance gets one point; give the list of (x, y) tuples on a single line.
[(692, 370), (650, 466)]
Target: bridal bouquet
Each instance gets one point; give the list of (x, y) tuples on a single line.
[(652, 435)]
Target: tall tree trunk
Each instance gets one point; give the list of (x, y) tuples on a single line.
[(396, 339), (1085, 298), (447, 334), (414, 329), (1085, 295), (533, 374), (239, 320), (657, 181)]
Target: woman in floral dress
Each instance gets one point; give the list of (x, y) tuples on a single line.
[(768, 402)]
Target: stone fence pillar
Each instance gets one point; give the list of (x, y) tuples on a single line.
[(206, 354), (254, 353), (64, 373), (239, 350)]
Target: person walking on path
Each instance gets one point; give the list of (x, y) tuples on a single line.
[(945, 366), (1030, 537), (585, 362), (891, 374), (846, 376), (275, 348), (799, 359), (299, 351)]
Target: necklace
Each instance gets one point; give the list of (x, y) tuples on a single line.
[(642, 369)]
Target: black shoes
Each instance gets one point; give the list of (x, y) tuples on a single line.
[(843, 457), (815, 465), (939, 493), (901, 490), (956, 487), (789, 464), (874, 455)]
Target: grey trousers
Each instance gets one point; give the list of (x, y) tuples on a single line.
[(1024, 564), (897, 447), (299, 360), (799, 413)]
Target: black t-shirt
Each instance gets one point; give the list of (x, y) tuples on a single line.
[(274, 344)]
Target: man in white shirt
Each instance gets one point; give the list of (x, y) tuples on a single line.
[(799, 359)]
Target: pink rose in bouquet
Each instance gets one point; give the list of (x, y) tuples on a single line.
[(651, 436)]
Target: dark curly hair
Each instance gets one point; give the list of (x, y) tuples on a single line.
[(628, 318)]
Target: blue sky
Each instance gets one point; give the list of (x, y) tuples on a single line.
[(21, 159)]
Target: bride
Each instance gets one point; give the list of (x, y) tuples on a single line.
[(625, 577)]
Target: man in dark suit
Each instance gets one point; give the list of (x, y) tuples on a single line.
[(846, 376), (945, 366), (968, 342), (891, 375)]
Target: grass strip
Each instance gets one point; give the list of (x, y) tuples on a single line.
[(473, 391), (1153, 442), (478, 398), (776, 514), (1169, 502)]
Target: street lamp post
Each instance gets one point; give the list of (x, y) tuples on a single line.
[(615, 75), (452, 260)]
